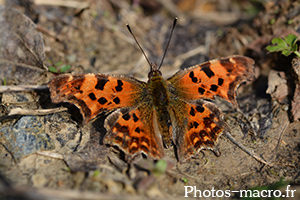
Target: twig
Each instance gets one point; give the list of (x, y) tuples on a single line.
[(281, 133), (21, 111), (23, 65), (253, 155), (21, 88), (50, 154), (64, 3)]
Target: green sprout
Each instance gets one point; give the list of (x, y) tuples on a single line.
[(96, 173), (160, 168), (184, 180), (287, 46), (4, 81), (59, 68)]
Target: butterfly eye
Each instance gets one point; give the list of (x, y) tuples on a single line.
[(150, 74), (154, 73)]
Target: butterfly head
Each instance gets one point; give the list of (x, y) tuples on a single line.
[(154, 71)]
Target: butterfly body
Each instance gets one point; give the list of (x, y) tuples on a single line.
[(161, 104), (145, 117)]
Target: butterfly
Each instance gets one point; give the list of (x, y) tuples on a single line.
[(147, 117)]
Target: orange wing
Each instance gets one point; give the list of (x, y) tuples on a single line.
[(197, 125), (219, 77), (196, 122), (134, 130), (95, 93)]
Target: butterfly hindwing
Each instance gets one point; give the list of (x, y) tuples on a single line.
[(134, 131), (197, 125), (219, 77), (95, 93)]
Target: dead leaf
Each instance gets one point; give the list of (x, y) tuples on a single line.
[(296, 99), (277, 86), (21, 48)]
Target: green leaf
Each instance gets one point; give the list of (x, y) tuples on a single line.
[(53, 69), (295, 47), (64, 68), (273, 48), (287, 52), (291, 39), (279, 42), (59, 63)]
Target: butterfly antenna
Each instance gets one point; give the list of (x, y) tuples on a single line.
[(129, 29), (174, 24)]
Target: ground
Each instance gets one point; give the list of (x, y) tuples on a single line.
[(54, 156)]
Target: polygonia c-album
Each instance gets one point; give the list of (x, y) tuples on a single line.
[(145, 117)]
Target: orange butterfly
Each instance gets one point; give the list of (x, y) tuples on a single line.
[(145, 117)]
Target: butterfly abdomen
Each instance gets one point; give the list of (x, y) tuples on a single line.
[(160, 98)]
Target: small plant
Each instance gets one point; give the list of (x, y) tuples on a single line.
[(160, 168), (287, 46), (59, 68)]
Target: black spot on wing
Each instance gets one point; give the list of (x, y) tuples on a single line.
[(119, 87), (92, 96), (213, 88), (193, 78), (206, 69), (138, 130), (192, 111), (102, 100), (201, 90), (195, 124), (220, 81), (116, 100), (77, 87), (101, 81), (135, 118), (200, 108), (126, 116)]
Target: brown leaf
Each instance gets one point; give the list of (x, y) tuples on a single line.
[(277, 86), (21, 48), (295, 107)]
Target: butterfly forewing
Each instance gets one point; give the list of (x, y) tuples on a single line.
[(95, 93), (219, 77)]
